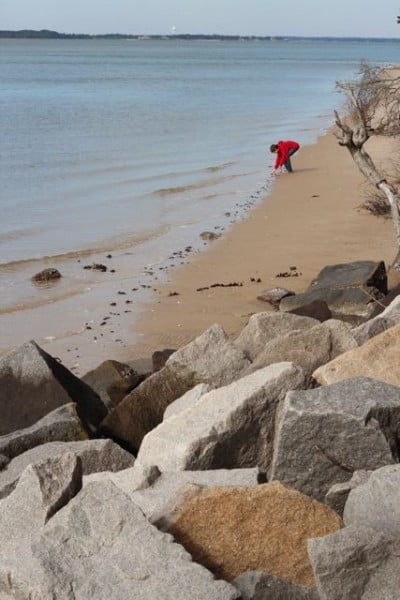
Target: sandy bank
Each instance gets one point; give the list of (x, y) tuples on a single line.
[(311, 219)]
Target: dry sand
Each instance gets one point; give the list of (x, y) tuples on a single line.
[(312, 218)]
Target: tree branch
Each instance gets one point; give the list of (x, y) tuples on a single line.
[(366, 98)]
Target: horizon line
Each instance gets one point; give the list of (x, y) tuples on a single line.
[(193, 35)]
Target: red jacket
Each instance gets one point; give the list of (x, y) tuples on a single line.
[(283, 151)]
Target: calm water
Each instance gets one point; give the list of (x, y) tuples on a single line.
[(115, 143)]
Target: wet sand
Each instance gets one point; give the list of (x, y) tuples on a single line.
[(311, 219)]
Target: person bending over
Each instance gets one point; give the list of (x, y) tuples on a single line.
[(284, 150)]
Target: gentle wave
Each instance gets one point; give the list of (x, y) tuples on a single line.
[(154, 176), (109, 245), (219, 167), (16, 234), (30, 304), (195, 186)]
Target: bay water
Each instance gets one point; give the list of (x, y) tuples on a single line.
[(137, 146)]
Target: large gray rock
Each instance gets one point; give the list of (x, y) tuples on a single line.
[(377, 358), (348, 289), (187, 400), (32, 384), (321, 436), (102, 546), (43, 489), (112, 380), (61, 425), (307, 348), (265, 326), (211, 358), (386, 319), (376, 503), (350, 304), (356, 274), (337, 495), (231, 427), (167, 486), (258, 585), (98, 545), (356, 563), (95, 455)]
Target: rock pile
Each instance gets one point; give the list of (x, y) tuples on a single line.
[(263, 467)]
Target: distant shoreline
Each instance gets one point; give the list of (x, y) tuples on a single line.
[(55, 35)]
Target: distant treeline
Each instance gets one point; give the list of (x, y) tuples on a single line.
[(48, 34)]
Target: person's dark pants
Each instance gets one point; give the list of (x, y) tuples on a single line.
[(288, 164)]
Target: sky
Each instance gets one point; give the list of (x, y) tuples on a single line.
[(347, 18)]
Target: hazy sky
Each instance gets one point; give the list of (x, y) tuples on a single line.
[(365, 18)]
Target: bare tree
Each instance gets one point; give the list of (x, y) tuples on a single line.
[(373, 108)]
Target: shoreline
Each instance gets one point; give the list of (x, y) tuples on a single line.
[(83, 317), (308, 219)]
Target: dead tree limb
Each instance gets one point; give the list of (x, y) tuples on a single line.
[(375, 92)]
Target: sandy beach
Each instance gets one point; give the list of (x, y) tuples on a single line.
[(312, 218)]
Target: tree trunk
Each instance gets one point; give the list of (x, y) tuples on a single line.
[(374, 110), (394, 201), (369, 170)]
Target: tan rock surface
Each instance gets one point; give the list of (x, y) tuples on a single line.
[(378, 358), (238, 529)]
